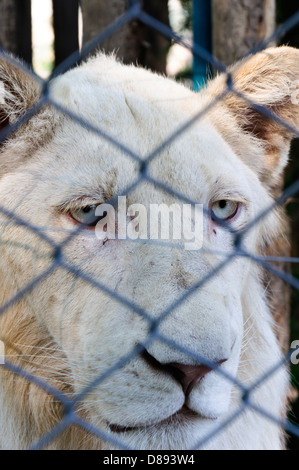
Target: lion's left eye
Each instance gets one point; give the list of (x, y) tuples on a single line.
[(224, 209), (85, 215)]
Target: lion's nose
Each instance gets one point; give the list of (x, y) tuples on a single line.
[(188, 375)]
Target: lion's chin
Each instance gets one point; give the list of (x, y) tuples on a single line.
[(183, 430), (182, 416)]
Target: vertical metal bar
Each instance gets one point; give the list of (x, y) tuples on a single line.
[(23, 30), (202, 31), (66, 27)]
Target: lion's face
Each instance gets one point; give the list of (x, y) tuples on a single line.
[(148, 318), (96, 331)]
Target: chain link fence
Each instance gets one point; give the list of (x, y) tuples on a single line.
[(70, 404)]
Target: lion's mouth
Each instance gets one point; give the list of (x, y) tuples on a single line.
[(183, 414), (121, 429)]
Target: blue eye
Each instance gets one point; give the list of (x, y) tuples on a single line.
[(224, 209), (86, 215)]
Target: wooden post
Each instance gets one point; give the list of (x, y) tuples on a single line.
[(238, 25), (134, 42), (154, 47), (8, 23), (15, 27), (97, 15)]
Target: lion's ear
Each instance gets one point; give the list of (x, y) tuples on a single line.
[(18, 92), (269, 79)]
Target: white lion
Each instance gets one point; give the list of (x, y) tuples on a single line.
[(69, 328)]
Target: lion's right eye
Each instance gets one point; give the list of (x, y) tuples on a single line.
[(224, 210), (86, 215)]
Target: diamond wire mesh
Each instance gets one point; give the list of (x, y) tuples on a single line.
[(135, 12)]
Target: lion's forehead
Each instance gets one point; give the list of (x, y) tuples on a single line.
[(139, 117), (186, 164), (113, 84)]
